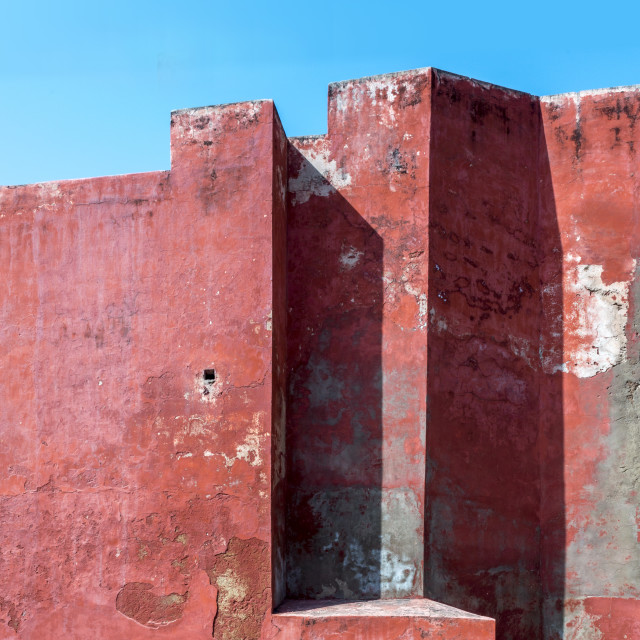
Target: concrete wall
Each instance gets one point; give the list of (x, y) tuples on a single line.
[(357, 277), (425, 337), (483, 495), (134, 497), (511, 507), (592, 142)]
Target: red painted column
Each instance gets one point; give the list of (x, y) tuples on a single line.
[(483, 495), (138, 336), (357, 278)]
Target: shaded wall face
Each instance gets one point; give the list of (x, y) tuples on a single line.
[(278, 392), (550, 403), (592, 143), (357, 251), (136, 492), (482, 485)]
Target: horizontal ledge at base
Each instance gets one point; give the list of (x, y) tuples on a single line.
[(411, 619), (408, 608)]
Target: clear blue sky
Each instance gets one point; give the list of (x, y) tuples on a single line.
[(87, 87)]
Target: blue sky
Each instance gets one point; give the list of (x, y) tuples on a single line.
[(87, 87)]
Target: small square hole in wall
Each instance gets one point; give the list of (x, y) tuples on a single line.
[(208, 378)]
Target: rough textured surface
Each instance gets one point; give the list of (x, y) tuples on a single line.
[(592, 142), (412, 619), (483, 496), (133, 481), (243, 592), (358, 233), (399, 359)]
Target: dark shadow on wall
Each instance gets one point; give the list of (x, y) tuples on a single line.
[(494, 408), (334, 403), (551, 407)]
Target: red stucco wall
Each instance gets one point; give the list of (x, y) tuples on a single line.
[(483, 496), (358, 239), (424, 330), (134, 496), (592, 143)]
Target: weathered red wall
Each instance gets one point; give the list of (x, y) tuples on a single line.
[(357, 278), (408, 619), (592, 142), (482, 542), (506, 461), (425, 332), (134, 499)]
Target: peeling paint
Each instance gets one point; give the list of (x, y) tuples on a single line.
[(597, 318), (320, 177), (350, 256), (135, 292)]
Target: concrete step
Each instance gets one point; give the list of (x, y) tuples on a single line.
[(412, 619)]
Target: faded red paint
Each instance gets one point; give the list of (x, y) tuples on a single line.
[(613, 617), (435, 307), (379, 620), (129, 480), (357, 287), (483, 474), (591, 139)]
